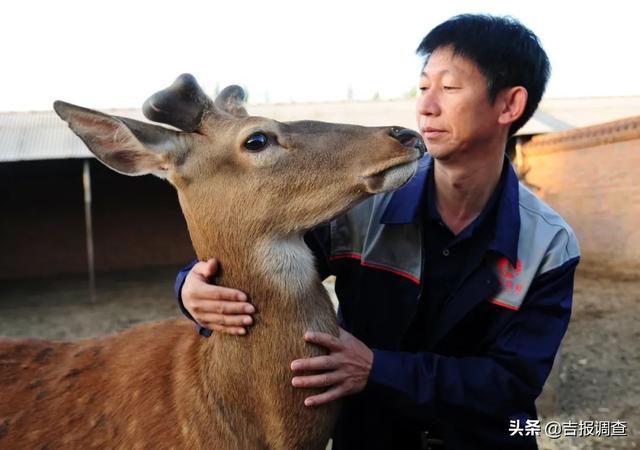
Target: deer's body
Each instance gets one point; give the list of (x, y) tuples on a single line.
[(161, 385), (111, 392)]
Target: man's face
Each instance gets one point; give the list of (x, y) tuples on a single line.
[(453, 111)]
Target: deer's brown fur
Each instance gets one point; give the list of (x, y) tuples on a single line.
[(160, 385)]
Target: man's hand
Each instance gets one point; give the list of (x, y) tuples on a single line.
[(346, 368), (218, 308)]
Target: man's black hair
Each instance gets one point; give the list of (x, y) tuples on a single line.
[(506, 52)]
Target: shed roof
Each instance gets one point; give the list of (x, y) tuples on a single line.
[(42, 135)]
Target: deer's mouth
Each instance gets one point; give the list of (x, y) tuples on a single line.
[(391, 177)]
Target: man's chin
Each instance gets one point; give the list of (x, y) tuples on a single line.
[(439, 153)]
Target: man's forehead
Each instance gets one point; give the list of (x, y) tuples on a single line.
[(446, 61)]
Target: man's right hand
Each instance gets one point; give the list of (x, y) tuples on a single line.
[(218, 308)]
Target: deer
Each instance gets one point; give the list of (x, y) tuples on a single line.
[(249, 188)]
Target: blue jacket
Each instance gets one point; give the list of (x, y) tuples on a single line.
[(486, 361)]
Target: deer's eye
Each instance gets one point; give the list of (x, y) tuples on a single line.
[(256, 142)]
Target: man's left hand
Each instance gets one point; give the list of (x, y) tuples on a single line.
[(345, 369)]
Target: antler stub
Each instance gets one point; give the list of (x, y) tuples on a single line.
[(183, 104)]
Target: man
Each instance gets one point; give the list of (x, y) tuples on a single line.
[(455, 291)]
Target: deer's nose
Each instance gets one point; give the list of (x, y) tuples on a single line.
[(408, 138)]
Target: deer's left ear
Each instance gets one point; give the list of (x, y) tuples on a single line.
[(126, 145)]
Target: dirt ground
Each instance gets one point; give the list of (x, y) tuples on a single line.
[(598, 369), (600, 363)]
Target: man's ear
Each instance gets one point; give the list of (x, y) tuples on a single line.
[(512, 103), (125, 145)]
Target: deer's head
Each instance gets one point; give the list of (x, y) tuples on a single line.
[(248, 172)]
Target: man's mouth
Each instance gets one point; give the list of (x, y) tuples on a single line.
[(432, 133)]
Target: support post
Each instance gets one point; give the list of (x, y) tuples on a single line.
[(86, 183)]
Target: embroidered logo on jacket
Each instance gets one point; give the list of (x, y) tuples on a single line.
[(511, 284), (508, 276)]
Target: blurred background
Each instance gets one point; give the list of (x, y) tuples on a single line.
[(85, 251)]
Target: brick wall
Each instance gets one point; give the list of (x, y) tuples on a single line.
[(591, 176)]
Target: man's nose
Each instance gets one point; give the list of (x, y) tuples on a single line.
[(408, 138), (427, 104)]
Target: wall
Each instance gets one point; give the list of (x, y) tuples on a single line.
[(137, 220), (591, 176)]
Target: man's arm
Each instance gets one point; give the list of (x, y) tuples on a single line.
[(180, 279), (505, 381)]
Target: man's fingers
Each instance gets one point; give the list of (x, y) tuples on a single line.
[(206, 291), (326, 397), (223, 307), (316, 363), (324, 339), (317, 381), (203, 289), (226, 320)]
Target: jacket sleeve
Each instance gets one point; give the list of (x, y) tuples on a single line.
[(503, 382), (317, 240)]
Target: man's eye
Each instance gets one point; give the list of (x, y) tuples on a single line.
[(451, 88), (256, 142)]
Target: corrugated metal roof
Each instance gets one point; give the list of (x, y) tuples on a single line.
[(43, 135)]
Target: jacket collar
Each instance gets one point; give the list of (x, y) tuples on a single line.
[(505, 240), (405, 205)]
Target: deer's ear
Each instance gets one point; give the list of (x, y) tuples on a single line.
[(127, 146), (231, 100)]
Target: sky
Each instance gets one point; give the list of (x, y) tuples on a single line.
[(115, 53)]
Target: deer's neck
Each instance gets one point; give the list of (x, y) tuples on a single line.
[(280, 278), (287, 265), (277, 273)]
